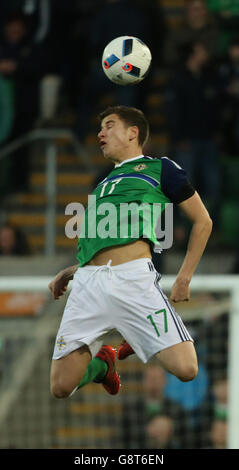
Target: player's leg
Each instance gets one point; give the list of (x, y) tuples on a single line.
[(151, 326), (180, 360), (68, 371), (79, 357), (76, 370), (124, 350)]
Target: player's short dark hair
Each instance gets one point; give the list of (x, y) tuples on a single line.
[(132, 117)]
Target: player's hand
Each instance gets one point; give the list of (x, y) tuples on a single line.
[(180, 291), (58, 285)]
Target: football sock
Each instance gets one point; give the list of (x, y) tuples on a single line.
[(96, 371)]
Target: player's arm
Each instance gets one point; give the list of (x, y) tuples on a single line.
[(197, 213), (59, 284)]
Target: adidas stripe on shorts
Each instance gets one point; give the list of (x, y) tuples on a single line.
[(126, 297)]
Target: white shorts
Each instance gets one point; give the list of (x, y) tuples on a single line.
[(126, 297)]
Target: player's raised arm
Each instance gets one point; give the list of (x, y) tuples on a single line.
[(197, 213), (59, 284)]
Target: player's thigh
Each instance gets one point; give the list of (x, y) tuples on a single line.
[(68, 371), (180, 360), (145, 317)]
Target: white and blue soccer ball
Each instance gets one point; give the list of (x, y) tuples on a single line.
[(126, 60)]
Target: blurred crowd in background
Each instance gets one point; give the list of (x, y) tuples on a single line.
[(170, 414), (50, 62)]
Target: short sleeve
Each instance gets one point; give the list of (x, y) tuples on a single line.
[(174, 181)]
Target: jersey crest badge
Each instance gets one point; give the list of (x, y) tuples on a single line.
[(61, 343), (140, 167)]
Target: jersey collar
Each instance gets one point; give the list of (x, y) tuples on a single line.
[(128, 160)]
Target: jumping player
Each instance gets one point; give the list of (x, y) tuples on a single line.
[(115, 285)]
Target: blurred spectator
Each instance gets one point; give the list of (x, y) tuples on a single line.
[(194, 400), (115, 18), (220, 392), (160, 431), (49, 24), (12, 241), (22, 64), (219, 434), (227, 14), (36, 12), (194, 123), (154, 382), (229, 76), (218, 431), (153, 415), (198, 26), (217, 329), (226, 8)]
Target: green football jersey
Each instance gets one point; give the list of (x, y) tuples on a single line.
[(124, 207)]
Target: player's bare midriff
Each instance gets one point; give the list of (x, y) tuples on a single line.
[(122, 254)]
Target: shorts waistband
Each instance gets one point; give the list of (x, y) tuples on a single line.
[(143, 263)]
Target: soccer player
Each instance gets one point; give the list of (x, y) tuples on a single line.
[(115, 285)]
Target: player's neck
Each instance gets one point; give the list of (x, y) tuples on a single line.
[(128, 155), (129, 160)]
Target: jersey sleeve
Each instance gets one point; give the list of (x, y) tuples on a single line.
[(174, 182)]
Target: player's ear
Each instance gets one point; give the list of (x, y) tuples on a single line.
[(133, 132)]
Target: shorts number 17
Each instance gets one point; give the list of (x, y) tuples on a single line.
[(151, 319)]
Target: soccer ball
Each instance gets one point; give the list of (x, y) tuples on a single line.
[(126, 60)]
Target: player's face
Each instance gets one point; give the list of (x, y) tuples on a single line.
[(114, 137)]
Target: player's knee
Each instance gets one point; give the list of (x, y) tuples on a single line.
[(60, 390), (188, 372)]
